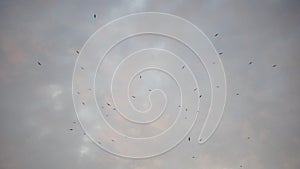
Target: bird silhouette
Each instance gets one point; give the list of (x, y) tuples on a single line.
[(77, 51), (274, 65), (95, 15), (250, 63), (216, 34), (39, 63), (220, 53), (189, 138)]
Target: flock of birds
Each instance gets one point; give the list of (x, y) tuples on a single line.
[(109, 105)]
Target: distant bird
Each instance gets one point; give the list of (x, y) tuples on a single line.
[(237, 94), (39, 63), (200, 139), (241, 166), (149, 90), (83, 103), (250, 63), (179, 106), (71, 129), (185, 109), (216, 34), (95, 15), (182, 67), (77, 51), (99, 142), (193, 157), (84, 133), (140, 76), (195, 89), (220, 53), (274, 65), (82, 68), (78, 93), (114, 109), (200, 96), (74, 122), (133, 97), (189, 138), (248, 138), (218, 86), (108, 104), (112, 140)]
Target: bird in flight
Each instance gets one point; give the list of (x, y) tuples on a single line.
[(250, 63), (39, 63), (77, 51), (95, 15), (274, 65), (216, 34), (220, 53)]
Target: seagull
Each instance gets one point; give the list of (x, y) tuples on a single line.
[(216, 34), (39, 63), (95, 15)]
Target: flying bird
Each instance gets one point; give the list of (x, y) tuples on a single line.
[(216, 34), (140, 76), (250, 63), (82, 68), (39, 63), (182, 67), (195, 89), (200, 96), (83, 103), (77, 51), (237, 94), (220, 53), (133, 97), (108, 104), (274, 65), (189, 138), (95, 15), (71, 129)]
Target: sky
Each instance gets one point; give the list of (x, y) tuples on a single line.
[(261, 121)]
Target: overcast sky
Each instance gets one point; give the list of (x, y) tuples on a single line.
[(260, 126)]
